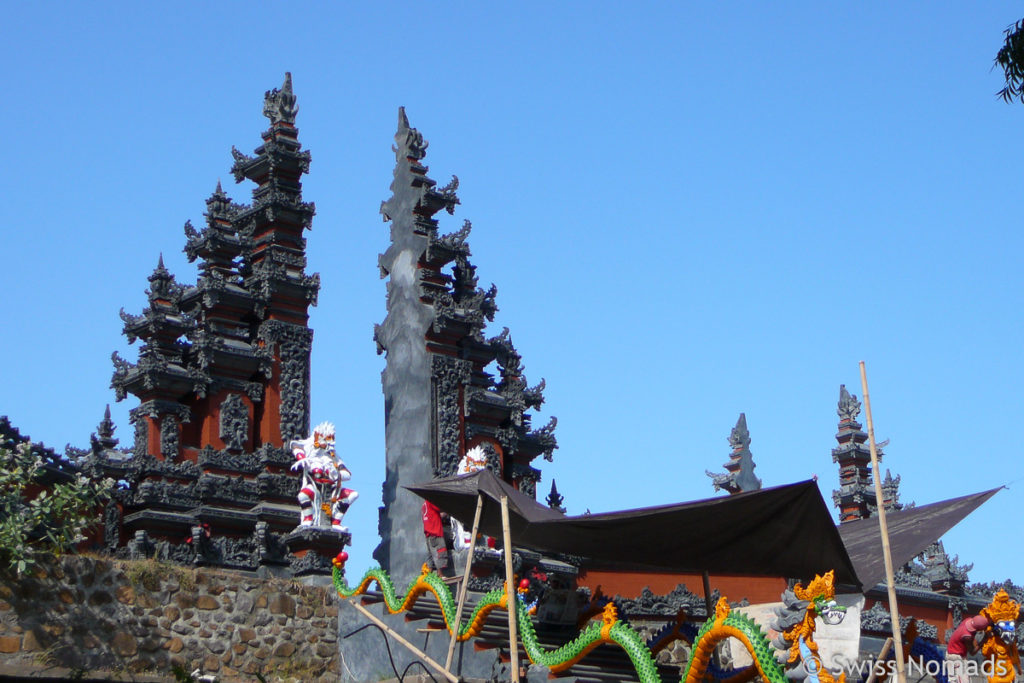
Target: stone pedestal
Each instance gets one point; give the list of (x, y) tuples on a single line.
[(314, 548)]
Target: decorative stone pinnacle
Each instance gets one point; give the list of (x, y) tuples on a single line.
[(555, 499), (218, 202), (106, 426), (410, 142), (849, 406), (279, 104), (161, 282), (104, 437), (739, 437), (739, 475)]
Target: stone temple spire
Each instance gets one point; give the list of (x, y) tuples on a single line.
[(855, 496), (739, 475), (891, 492), (448, 387)]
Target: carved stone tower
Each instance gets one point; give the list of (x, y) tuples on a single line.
[(739, 475), (855, 497), (223, 374), (438, 399)]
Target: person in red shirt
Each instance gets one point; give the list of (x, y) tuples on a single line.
[(963, 643), (438, 544)]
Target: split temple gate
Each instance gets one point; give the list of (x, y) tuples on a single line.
[(223, 383)]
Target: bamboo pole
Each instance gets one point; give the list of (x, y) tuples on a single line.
[(394, 634), (510, 591), (464, 588), (894, 612), (881, 658)]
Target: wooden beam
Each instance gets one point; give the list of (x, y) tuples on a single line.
[(415, 650), (464, 588), (881, 658), (706, 579), (883, 528), (510, 591)]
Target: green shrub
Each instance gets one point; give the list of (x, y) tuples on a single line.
[(51, 522)]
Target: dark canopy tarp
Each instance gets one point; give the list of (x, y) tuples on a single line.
[(780, 531), (911, 530)]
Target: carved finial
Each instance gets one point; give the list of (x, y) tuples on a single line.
[(104, 437), (739, 437), (849, 406), (106, 426), (279, 104), (409, 141), (739, 474), (555, 499), (161, 282), (218, 204)]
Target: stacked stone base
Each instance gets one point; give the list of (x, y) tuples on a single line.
[(89, 616)]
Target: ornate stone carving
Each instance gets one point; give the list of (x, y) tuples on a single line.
[(156, 409), (545, 436), (849, 406), (270, 546), (211, 488), (111, 527), (527, 477), (294, 343), (169, 440), (210, 458), (945, 574), (650, 604), (147, 465), (449, 376), (958, 606), (272, 456), (182, 553), (911, 576), (277, 486), (159, 494), (279, 104), (120, 377), (139, 548), (310, 563), (239, 553), (234, 422), (877, 620), (483, 584), (139, 446)]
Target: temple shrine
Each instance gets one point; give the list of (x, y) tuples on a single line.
[(222, 378)]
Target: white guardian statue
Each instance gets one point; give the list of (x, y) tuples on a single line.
[(322, 496), (474, 460)]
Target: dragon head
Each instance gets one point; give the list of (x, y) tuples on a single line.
[(1003, 612), (821, 593)]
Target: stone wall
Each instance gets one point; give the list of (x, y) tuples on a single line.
[(81, 615)]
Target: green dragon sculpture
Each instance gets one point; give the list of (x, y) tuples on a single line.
[(610, 629)]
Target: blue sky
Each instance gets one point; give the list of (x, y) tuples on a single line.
[(690, 210)]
